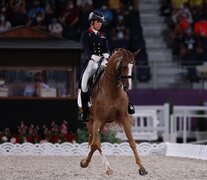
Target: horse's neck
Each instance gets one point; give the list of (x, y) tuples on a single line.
[(110, 84)]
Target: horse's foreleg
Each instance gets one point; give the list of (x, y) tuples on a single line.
[(132, 143)]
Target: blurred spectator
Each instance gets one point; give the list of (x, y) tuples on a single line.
[(4, 9), (115, 4), (50, 11), (108, 15), (69, 18), (191, 54), (39, 22), (191, 49), (120, 34), (2, 81), (69, 15), (5, 25), (200, 27), (82, 3), (85, 7), (177, 4), (33, 89), (197, 12), (19, 13), (17, 6), (36, 9), (184, 13), (200, 30), (55, 28), (178, 30)]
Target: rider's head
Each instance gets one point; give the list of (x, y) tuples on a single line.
[(96, 18)]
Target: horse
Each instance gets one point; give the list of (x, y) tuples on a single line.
[(109, 103)]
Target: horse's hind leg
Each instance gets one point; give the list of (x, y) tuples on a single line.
[(96, 145), (127, 128), (90, 131), (108, 168), (85, 162)]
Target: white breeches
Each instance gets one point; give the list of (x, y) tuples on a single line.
[(88, 73)]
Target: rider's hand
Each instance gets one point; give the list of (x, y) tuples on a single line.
[(95, 58), (105, 59), (104, 62), (105, 55)]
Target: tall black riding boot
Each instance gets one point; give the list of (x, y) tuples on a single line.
[(84, 100)]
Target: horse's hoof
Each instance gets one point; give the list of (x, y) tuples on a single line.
[(83, 163), (109, 171), (142, 172)]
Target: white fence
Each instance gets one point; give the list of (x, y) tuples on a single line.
[(149, 123), (153, 122), (69, 149), (123, 149), (181, 122)]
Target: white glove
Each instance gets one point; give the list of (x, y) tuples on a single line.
[(95, 58), (104, 62), (105, 55)]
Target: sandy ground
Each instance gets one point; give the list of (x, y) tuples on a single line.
[(124, 168)]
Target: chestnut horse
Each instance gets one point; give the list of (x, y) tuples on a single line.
[(110, 104)]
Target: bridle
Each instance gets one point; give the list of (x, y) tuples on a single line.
[(117, 78)]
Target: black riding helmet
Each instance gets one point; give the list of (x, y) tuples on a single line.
[(96, 15)]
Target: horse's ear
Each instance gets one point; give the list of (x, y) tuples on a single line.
[(136, 52)]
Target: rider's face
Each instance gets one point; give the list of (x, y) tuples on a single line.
[(97, 25)]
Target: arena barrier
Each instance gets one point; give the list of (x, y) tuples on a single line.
[(123, 149), (157, 122), (183, 123), (149, 124)]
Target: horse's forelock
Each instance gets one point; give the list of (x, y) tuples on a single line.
[(128, 56)]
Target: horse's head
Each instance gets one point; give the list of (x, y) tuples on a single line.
[(123, 62)]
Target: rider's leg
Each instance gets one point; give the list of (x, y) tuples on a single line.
[(89, 71), (84, 101)]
